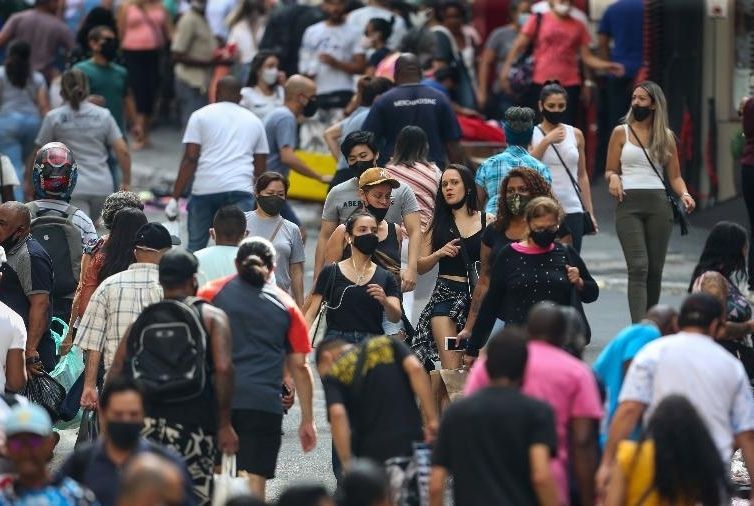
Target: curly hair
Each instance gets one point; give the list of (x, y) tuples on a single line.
[(117, 201), (536, 184)]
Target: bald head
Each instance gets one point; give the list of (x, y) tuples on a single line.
[(150, 480), (299, 85), (664, 317), (407, 69), (546, 322), (229, 90)]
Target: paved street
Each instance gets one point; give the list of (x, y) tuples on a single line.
[(602, 254)]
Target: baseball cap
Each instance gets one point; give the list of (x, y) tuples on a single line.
[(153, 236), (178, 265), (377, 175), (28, 419)]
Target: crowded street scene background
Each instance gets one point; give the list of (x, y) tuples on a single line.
[(375, 253)]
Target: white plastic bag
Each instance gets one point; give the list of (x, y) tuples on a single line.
[(226, 484)]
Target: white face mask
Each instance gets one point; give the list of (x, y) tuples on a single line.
[(562, 9), (270, 75)]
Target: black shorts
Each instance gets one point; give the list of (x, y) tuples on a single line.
[(259, 435)]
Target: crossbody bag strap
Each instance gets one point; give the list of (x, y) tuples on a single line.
[(651, 163), (568, 171), (277, 229), (464, 252)]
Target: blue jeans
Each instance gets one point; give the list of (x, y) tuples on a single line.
[(17, 134), (351, 337), (202, 209)]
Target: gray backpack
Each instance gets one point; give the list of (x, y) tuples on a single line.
[(57, 234)]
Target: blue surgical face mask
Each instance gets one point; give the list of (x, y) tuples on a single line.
[(523, 18)]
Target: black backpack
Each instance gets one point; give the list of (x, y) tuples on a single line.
[(167, 351), (60, 238)]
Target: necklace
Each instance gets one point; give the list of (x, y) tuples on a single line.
[(360, 276)]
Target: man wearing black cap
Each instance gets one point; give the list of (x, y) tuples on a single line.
[(117, 302), (691, 364), (193, 427)]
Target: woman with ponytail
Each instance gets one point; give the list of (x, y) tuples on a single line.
[(358, 294), (23, 102), (90, 131), (269, 336)]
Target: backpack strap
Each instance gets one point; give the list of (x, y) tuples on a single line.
[(69, 213), (33, 209)]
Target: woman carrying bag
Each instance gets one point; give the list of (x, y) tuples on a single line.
[(646, 195)]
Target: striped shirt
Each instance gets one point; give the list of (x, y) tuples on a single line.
[(424, 180), (115, 304)]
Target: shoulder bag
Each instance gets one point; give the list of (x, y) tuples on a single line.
[(679, 215), (319, 329), (521, 73), (575, 297), (589, 228), (472, 267)]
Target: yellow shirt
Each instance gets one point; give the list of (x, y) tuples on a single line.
[(639, 471)]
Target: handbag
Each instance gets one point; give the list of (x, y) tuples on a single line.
[(589, 227), (319, 329), (472, 267), (576, 298), (227, 484), (521, 72), (679, 214)]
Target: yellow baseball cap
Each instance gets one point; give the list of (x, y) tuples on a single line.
[(377, 175)]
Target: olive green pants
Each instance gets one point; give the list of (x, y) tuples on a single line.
[(643, 222)]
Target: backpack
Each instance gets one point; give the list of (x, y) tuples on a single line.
[(62, 241), (166, 351)]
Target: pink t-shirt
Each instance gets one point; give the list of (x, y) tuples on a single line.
[(565, 383), (144, 28), (556, 50)]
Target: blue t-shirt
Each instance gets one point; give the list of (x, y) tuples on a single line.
[(282, 130), (609, 366), (417, 105), (61, 492), (623, 22), (436, 86)]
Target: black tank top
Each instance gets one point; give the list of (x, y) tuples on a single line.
[(455, 266)]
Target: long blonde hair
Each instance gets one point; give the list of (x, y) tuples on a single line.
[(661, 138)]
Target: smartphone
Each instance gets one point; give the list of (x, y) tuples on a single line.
[(452, 343)]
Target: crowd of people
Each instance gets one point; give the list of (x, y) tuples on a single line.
[(429, 263)]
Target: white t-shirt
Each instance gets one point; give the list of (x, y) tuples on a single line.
[(229, 136), (259, 103), (12, 336), (246, 40), (342, 42), (216, 14), (701, 370), (359, 19), (10, 178)]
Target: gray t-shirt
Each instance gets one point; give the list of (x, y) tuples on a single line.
[(288, 244), (89, 133), (344, 199), (500, 42), (20, 100), (282, 130)]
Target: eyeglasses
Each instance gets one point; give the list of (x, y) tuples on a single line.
[(30, 442)]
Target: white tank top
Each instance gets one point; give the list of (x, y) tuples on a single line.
[(636, 172), (562, 187)]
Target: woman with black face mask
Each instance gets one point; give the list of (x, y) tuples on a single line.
[(271, 190), (375, 186), (519, 187), (638, 152), (357, 292), (533, 270), (561, 148), (452, 242)]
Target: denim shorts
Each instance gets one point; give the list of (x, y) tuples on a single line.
[(443, 308), (351, 337)]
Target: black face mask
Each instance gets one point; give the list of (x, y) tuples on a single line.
[(458, 205), (543, 238), (378, 212), (359, 167), (109, 49), (271, 204), (366, 243), (311, 108), (11, 242), (124, 435), (641, 112), (554, 117)]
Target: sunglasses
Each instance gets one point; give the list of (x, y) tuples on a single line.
[(25, 442)]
